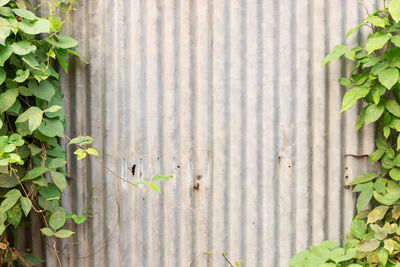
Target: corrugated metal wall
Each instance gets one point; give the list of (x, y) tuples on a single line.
[(229, 97)]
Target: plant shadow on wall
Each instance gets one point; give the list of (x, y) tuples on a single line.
[(374, 237), (32, 161)]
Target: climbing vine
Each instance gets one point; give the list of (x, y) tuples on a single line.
[(374, 237), (32, 120)]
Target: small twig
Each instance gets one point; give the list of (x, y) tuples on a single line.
[(21, 258), (56, 253)]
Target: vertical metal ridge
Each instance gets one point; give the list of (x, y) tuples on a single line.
[(243, 145), (343, 137), (326, 126), (310, 120), (276, 155), (160, 136), (260, 126), (227, 124), (293, 118)]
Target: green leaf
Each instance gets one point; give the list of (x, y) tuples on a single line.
[(139, 182), (31, 61), (39, 26), (57, 163), (34, 149), (35, 172), (395, 174), (377, 214), (77, 55), (395, 124), (398, 143), (59, 180), (352, 96), (45, 90), (364, 198), (5, 53), (63, 41), (26, 205), (2, 76), (365, 177), (299, 259), (373, 113), (161, 177), (345, 81), (329, 244), (4, 31), (390, 245), (32, 259), (34, 115), (388, 199), (376, 21), (47, 231), (24, 13), (8, 181), (92, 151), (40, 181), (12, 197), (81, 140), (394, 10), (155, 187), (393, 107), (82, 155), (396, 212), (79, 219), (386, 131), (379, 232), (377, 41), (61, 54), (358, 228), (361, 118), (4, 2), (390, 153), (376, 155), (51, 192), (386, 162), (388, 77), (22, 75), (53, 109), (353, 30), (367, 245), (57, 219), (7, 99), (396, 40), (23, 48), (63, 233), (380, 185), (377, 92), (52, 128), (338, 51), (381, 144)]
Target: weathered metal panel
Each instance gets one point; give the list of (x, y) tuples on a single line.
[(229, 97)]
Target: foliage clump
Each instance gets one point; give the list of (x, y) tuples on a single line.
[(32, 119), (374, 237)]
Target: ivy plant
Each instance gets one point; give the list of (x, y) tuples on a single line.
[(32, 120), (374, 236)]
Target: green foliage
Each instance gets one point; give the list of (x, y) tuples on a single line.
[(374, 237), (31, 122), (151, 184)]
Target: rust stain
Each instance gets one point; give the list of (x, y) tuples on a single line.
[(196, 186)]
